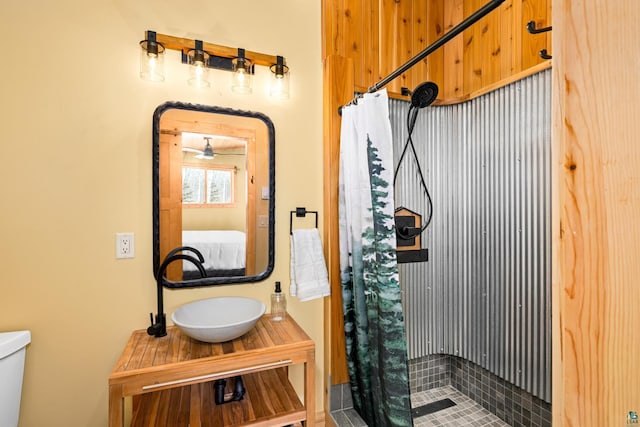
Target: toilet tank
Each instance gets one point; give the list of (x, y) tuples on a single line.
[(12, 351)]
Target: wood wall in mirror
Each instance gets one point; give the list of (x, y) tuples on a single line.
[(213, 190)]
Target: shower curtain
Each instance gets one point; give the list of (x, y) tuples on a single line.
[(373, 318)]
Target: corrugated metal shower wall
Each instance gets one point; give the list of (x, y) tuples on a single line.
[(485, 294)]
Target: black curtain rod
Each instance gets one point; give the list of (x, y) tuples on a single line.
[(470, 20)]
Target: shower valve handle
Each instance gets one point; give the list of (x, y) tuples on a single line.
[(407, 233)]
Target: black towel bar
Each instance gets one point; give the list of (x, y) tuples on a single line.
[(300, 213)]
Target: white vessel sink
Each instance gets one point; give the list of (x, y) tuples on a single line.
[(218, 319)]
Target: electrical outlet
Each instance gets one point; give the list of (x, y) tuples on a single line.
[(124, 245)]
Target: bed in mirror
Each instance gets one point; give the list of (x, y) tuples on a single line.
[(213, 190)]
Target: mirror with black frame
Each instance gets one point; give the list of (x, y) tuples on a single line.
[(213, 190)]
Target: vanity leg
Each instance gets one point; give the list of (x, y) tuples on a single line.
[(116, 406), (310, 388)]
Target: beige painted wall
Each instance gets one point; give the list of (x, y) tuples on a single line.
[(69, 84)]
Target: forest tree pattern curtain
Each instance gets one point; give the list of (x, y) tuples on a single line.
[(373, 318)]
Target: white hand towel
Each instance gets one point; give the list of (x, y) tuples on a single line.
[(309, 277)]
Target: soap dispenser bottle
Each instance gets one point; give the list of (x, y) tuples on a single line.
[(278, 304)]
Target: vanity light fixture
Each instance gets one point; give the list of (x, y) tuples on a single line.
[(241, 79), (151, 59), (197, 59), (279, 79), (201, 56)]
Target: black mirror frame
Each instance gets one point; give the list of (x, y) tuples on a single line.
[(211, 281)]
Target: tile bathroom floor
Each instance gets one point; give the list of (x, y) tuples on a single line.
[(466, 412)]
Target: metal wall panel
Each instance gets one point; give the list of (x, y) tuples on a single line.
[(485, 294)]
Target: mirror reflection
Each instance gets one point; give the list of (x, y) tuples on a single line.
[(213, 191)]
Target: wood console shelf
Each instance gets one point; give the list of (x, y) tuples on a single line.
[(171, 378)]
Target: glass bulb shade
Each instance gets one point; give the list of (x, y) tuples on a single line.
[(241, 79), (151, 61), (279, 87), (198, 70)]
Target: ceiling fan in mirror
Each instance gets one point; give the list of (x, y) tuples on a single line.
[(207, 152)]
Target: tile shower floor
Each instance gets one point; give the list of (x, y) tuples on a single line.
[(466, 412)]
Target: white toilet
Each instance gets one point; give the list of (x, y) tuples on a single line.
[(12, 351)]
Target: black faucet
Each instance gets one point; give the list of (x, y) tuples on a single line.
[(159, 328)]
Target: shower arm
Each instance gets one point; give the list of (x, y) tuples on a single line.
[(466, 23)]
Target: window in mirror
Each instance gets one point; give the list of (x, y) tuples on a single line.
[(212, 186), (211, 168)]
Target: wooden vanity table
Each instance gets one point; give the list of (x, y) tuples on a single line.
[(171, 378)]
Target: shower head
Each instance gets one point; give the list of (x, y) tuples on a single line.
[(424, 94)]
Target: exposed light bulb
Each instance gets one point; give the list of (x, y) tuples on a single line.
[(241, 79), (279, 87), (198, 71), (151, 60), (153, 63)]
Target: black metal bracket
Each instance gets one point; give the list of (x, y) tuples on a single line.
[(531, 27), (300, 213), (418, 255), (218, 62)]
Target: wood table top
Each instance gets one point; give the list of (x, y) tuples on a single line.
[(145, 353)]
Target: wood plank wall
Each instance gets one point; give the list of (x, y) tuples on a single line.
[(338, 90), (596, 319), (364, 41), (379, 36)]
